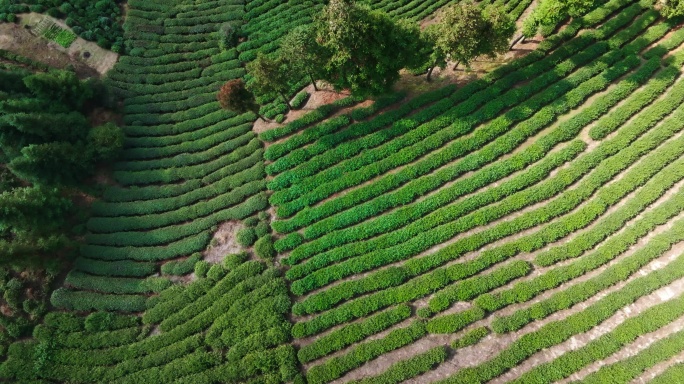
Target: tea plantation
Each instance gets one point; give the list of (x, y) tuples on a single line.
[(523, 227)]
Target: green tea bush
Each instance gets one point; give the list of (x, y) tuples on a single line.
[(602, 255), (88, 301), (647, 321), (262, 229), (346, 268), (335, 367), (353, 333), (381, 103), (426, 283), (201, 268), (108, 321), (278, 150), (119, 285), (538, 82), (219, 159), (165, 204), (264, 247), (393, 118), (246, 236), (409, 368), (471, 337), (181, 267), (124, 268), (167, 251), (312, 117), (300, 99), (104, 226)]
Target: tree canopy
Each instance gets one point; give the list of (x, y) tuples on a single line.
[(46, 144), (364, 49), (270, 75), (467, 31), (234, 96), (302, 53)]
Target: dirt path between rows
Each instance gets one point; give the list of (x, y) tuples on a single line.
[(658, 369), (578, 341), (642, 342)]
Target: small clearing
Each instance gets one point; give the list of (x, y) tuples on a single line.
[(223, 243)]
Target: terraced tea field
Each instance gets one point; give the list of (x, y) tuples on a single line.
[(526, 227)]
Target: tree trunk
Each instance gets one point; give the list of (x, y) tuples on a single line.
[(262, 118), (287, 102), (456, 65), (430, 73), (520, 39), (432, 68), (313, 82)]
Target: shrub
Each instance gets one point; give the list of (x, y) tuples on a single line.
[(201, 268), (181, 267), (300, 99), (228, 35), (412, 367), (264, 247), (262, 229), (251, 221), (246, 236), (471, 337)]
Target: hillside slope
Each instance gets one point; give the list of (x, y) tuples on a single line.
[(525, 227)]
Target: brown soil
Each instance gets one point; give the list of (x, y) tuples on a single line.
[(223, 243), (82, 199), (103, 175), (578, 341), (434, 18), (185, 279), (641, 343), (6, 311)]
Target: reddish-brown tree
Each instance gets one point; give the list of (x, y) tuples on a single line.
[(235, 97)]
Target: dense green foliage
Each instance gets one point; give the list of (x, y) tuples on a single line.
[(228, 305), (46, 144), (467, 30), (525, 226)]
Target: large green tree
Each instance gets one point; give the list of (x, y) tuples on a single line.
[(467, 31), (269, 76), (302, 53), (47, 147), (552, 12), (45, 138), (364, 49), (30, 220)]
